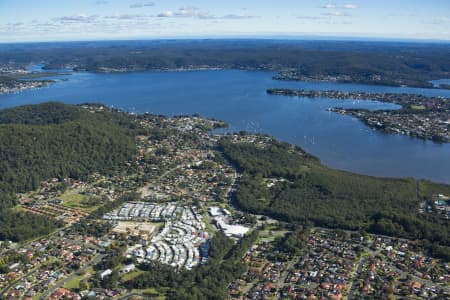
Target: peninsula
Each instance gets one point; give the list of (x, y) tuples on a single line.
[(12, 85), (420, 116)]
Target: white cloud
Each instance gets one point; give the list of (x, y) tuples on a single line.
[(98, 19), (142, 4), (350, 6), (15, 24), (192, 12), (329, 5), (441, 21), (126, 17), (186, 12), (80, 18), (165, 14), (304, 17), (237, 17), (337, 14), (195, 12)]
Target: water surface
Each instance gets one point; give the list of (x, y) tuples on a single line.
[(437, 83), (239, 98)]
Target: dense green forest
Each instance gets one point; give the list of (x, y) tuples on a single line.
[(307, 192), (42, 114), (38, 142), (428, 188), (391, 63)]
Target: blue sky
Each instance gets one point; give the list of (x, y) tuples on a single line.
[(62, 20)]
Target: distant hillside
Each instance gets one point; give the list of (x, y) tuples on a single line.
[(390, 63), (48, 140)]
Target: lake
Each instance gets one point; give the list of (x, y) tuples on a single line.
[(239, 98)]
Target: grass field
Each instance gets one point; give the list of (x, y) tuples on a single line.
[(209, 227), (269, 235), (153, 292), (18, 208), (131, 275), (37, 296), (74, 283), (73, 199)]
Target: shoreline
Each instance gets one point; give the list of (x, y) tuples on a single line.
[(16, 90), (317, 147), (419, 116), (282, 76)]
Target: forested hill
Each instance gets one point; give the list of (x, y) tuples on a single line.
[(38, 142), (288, 184), (387, 63), (42, 114)]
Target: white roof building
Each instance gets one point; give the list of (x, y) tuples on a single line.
[(128, 268), (237, 231), (105, 273)]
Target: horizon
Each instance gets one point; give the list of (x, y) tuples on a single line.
[(292, 38), (109, 20)]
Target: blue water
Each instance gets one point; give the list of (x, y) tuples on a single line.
[(437, 83), (239, 98)]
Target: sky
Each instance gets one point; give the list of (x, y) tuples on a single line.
[(75, 20)]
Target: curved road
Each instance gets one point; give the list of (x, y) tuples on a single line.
[(62, 282)]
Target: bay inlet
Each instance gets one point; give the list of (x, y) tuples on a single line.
[(240, 99)]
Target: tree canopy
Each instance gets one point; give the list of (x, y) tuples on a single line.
[(39, 142), (306, 192)]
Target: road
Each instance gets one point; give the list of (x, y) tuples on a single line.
[(284, 274), (355, 279), (9, 286), (418, 189), (62, 282), (144, 190)]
